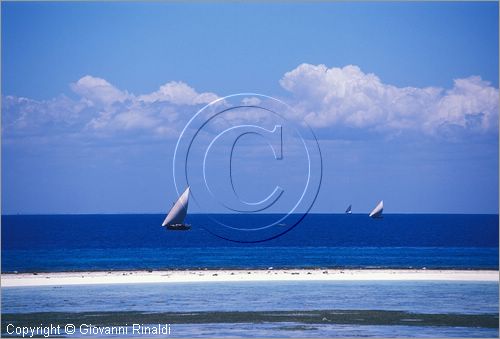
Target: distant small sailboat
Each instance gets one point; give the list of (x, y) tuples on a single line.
[(377, 211), (348, 210), (175, 218)]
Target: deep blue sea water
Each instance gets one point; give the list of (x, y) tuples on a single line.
[(108, 242), (104, 242)]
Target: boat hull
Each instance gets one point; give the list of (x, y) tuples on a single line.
[(178, 227)]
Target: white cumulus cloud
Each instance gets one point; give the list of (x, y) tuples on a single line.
[(98, 91), (322, 97), (179, 93), (349, 97), (105, 109)]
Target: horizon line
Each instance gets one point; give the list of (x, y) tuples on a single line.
[(199, 213)]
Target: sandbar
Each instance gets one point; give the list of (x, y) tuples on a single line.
[(196, 276)]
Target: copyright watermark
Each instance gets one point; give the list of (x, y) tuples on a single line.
[(246, 154), (52, 330)]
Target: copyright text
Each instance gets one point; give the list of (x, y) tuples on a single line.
[(87, 330)]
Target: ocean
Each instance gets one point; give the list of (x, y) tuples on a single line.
[(58, 243), (49, 243)]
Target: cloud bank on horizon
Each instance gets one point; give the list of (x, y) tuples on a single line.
[(322, 97)]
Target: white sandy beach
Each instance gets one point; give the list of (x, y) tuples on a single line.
[(135, 277)]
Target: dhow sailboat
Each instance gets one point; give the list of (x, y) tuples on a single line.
[(377, 211), (175, 218)]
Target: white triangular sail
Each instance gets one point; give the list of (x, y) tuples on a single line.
[(377, 211), (179, 210)]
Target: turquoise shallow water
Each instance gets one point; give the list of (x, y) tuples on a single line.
[(299, 330), (423, 297), (129, 242), (427, 298), (294, 330)]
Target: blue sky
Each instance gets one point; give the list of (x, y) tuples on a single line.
[(402, 96)]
